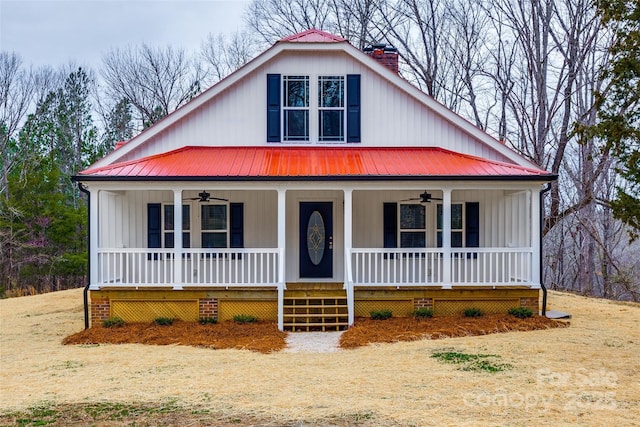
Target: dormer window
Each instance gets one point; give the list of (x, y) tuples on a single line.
[(295, 111), (331, 108), (313, 109)]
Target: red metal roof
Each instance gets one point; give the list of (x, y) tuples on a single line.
[(313, 36), (248, 163)]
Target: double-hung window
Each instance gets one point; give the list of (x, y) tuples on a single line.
[(331, 111), (213, 226), (168, 226), (295, 109), (457, 228), (313, 109), (412, 226), (465, 226)]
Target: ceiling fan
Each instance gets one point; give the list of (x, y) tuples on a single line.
[(205, 197), (424, 198)]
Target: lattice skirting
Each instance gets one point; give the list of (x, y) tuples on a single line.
[(401, 308), (455, 308), (149, 310), (263, 310)]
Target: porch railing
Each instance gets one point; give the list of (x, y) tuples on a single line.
[(255, 267), (378, 267), (201, 267), (467, 266), (366, 267), (492, 266)]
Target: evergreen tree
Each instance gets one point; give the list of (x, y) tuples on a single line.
[(619, 109)]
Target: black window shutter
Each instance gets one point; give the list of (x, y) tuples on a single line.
[(236, 225), (273, 108), (472, 229), (154, 227), (353, 108), (390, 225)]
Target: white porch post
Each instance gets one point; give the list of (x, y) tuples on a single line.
[(534, 274), (282, 236), (446, 238), (93, 238), (348, 244), (177, 239)]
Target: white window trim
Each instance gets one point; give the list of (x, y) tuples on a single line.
[(164, 231), (227, 224), (314, 110), (410, 230), (453, 230)]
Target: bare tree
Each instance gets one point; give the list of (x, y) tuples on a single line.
[(272, 20), (224, 55), (156, 81), (20, 89), (418, 28), (16, 94), (354, 21)]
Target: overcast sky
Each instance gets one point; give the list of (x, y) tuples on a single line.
[(55, 32)]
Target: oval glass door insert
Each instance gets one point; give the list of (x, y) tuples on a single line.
[(315, 237)]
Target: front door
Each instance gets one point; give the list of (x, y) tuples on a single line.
[(316, 239)]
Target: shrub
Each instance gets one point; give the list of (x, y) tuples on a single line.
[(208, 320), (472, 312), (380, 314), (245, 318), (423, 313), (163, 321), (113, 322), (521, 312)]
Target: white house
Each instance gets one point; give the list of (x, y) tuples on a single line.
[(311, 186)]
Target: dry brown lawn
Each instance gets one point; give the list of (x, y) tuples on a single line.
[(587, 374), (264, 337)]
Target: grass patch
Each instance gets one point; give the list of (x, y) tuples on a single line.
[(381, 314), (472, 362), (208, 321)]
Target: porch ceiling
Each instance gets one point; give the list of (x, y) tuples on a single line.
[(343, 163)]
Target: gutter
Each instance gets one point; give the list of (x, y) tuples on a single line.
[(544, 288), (86, 288)]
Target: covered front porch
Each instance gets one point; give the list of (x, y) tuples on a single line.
[(257, 236)]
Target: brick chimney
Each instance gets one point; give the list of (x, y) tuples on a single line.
[(385, 54)]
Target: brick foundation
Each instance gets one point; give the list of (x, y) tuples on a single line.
[(530, 303), (208, 308), (100, 310), (422, 303)]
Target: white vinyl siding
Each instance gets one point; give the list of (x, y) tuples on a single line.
[(389, 117)]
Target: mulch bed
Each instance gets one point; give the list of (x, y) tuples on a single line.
[(366, 330), (264, 337)]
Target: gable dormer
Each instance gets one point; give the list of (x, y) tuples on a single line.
[(313, 108)]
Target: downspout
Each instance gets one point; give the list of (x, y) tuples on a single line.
[(86, 288), (544, 288)]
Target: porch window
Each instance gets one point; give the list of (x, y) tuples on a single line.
[(213, 226), (457, 228), (168, 226), (412, 226), (465, 226)]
